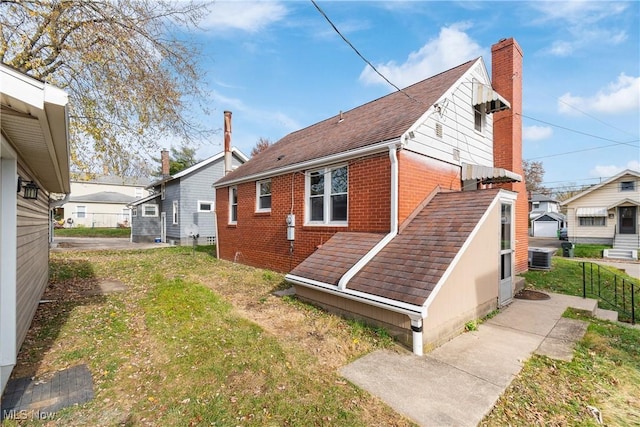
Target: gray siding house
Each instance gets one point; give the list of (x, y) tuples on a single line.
[(34, 153), (181, 203)]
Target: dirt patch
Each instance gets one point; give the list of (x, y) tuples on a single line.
[(529, 294)]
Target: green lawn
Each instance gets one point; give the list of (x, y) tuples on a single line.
[(92, 232)]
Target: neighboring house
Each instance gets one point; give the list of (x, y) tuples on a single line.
[(386, 213), (34, 152), (608, 213), (547, 224), (102, 202), (546, 218), (180, 202)]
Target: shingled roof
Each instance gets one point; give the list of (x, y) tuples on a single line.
[(412, 264), (383, 119)]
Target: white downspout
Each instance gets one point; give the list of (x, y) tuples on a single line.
[(344, 280), (416, 322)]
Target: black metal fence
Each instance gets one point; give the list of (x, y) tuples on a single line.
[(614, 291)]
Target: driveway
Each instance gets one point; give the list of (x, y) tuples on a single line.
[(61, 244), (544, 242)]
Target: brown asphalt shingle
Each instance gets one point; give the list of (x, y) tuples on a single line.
[(411, 265), (329, 262), (381, 120)]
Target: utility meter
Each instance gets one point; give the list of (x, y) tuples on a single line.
[(291, 227)]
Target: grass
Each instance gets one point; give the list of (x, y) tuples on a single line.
[(604, 374), (196, 342), (565, 277), (92, 232), (589, 251)]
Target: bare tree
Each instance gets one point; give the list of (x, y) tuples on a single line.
[(129, 77), (534, 176), (261, 145)]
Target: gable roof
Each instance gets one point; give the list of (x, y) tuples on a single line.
[(602, 184), (408, 269), (144, 199), (542, 198), (103, 197), (199, 166), (382, 120)]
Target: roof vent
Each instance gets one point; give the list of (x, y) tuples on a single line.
[(439, 130), (341, 117), (456, 154)]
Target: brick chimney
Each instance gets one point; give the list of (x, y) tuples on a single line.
[(506, 70), (227, 142), (164, 158)]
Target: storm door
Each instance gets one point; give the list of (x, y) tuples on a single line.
[(627, 219), (505, 292)]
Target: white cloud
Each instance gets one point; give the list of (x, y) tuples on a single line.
[(536, 133), (249, 16), (253, 114), (611, 170), (620, 96), (585, 23), (452, 47)]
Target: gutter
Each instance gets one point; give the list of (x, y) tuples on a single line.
[(335, 158), (416, 313)]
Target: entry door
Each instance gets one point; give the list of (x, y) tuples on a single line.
[(627, 219), (163, 227), (505, 292)]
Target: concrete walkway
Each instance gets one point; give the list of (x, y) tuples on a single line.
[(458, 383)]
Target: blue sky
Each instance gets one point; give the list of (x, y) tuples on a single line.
[(279, 67)]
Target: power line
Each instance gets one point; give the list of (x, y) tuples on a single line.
[(360, 55)]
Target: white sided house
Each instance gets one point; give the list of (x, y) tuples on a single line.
[(608, 213), (34, 154)]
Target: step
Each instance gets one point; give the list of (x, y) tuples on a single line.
[(620, 254), (606, 314)]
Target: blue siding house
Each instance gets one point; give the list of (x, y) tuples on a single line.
[(181, 203)]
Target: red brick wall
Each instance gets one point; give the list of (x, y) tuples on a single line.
[(260, 239), (506, 65), (418, 176)]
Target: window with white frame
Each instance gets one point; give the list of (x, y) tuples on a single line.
[(174, 213), (233, 205), (263, 196), (327, 196), (81, 211), (205, 206), (627, 186), (134, 211), (479, 117), (592, 221), (162, 191), (149, 210)]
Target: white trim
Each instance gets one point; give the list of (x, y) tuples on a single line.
[(231, 204), (258, 196), (503, 195), (211, 159), (209, 202), (8, 265), (326, 197), (175, 212), (313, 163), (603, 183), (144, 214), (344, 280), (163, 191)]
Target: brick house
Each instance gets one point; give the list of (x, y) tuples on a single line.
[(408, 212)]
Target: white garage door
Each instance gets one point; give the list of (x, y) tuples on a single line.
[(545, 228)]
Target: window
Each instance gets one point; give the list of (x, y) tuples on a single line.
[(149, 210), (627, 186), (134, 211), (535, 205), (126, 212), (81, 212), (162, 191), (478, 117), (327, 195), (205, 206), (175, 212), (233, 205), (263, 196), (592, 221)]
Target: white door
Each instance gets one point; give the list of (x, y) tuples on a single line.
[(545, 228), (163, 227), (505, 291)]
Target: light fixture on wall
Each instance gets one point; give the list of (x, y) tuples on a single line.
[(30, 189)]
